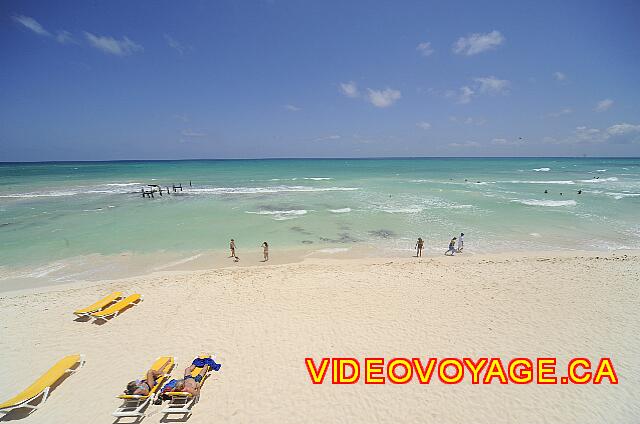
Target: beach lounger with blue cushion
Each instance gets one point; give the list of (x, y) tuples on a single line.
[(35, 395), (117, 308), (134, 405), (102, 303)]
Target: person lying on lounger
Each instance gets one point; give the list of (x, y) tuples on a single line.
[(143, 387), (189, 383)]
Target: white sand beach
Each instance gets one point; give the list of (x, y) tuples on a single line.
[(261, 322)]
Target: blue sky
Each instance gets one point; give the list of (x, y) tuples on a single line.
[(101, 80)]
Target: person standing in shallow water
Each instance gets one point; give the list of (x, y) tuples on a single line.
[(265, 251), (452, 246), (419, 247)]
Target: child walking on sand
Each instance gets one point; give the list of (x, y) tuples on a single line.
[(265, 251), (461, 243), (452, 246)]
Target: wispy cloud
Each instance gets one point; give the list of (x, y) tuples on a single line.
[(383, 98), (465, 144), (292, 108), (623, 133), (561, 112), (32, 24), (506, 142), (603, 105), (328, 138), (478, 43), (65, 37), (463, 95), (349, 89), (424, 125), (481, 85), (468, 120), (492, 85), (191, 133), (425, 48), (176, 45), (559, 76), (112, 45), (181, 117)]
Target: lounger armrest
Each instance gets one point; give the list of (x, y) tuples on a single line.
[(182, 394), (132, 396)]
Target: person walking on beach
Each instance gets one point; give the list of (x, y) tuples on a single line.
[(232, 247), (461, 243), (452, 246), (265, 251), (419, 247)]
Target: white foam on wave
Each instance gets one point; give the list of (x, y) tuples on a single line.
[(273, 189), (122, 184), (599, 180), (343, 210), (567, 182), (333, 250), (542, 169), (410, 209), (548, 203), (537, 235), (601, 170), (180, 261), (318, 178), (619, 196), (34, 195), (281, 215)]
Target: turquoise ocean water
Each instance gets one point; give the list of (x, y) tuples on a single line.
[(56, 214)]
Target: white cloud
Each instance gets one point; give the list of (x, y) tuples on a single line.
[(425, 48), (504, 142), (328, 138), (191, 133), (465, 144), (468, 121), (292, 108), (32, 24), (64, 37), (492, 85), (424, 125), (383, 98), (176, 45), (114, 46), (478, 43), (349, 89), (561, 112), (465, 94), (603, 105), (623, 129), (623, 133), (559, 76)]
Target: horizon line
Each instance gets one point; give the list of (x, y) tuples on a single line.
[(313, 158)]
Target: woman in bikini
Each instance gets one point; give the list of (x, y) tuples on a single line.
[(143, 387)]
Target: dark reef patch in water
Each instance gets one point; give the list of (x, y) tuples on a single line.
[(307, 242), (342, 238), (300, 230), (382, 233)]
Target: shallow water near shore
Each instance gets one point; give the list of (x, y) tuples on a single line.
[(72, 221)]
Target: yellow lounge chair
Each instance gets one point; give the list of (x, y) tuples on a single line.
[(181, 402), (134, 404), (113, 297), (116, 308), (42, 386)]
